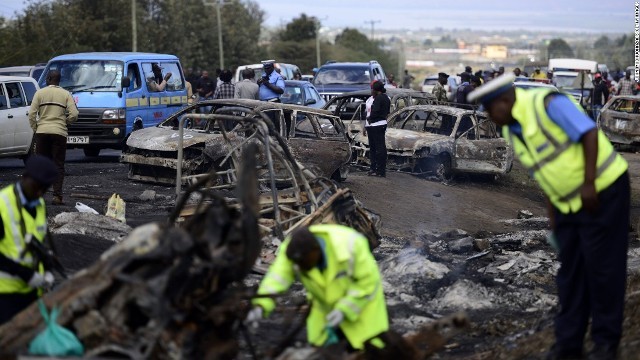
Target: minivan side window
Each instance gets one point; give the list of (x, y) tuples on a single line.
[(176, 82), (3, 98), (15, 95), (29, 91), (134, 77)]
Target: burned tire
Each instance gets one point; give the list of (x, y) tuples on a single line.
[(442, 168)]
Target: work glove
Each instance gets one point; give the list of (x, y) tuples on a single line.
[(41, 281), (334, 318), (254, 316)]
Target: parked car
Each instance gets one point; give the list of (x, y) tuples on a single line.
[(308, 78), (300, 92), (336, 78), (429, 82), (33, 71), (317, 140), (16, 136), (286, 70), (441, 140), (620, 120)]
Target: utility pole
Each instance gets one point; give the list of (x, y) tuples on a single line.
[(318, 40), (134, 26), (372, 22), (218, 4)]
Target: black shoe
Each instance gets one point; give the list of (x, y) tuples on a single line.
[(559, 354), (600, 352)]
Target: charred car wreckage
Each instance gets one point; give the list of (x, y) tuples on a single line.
[(441, 140), (620, 120), (316, 138), (170, 291)]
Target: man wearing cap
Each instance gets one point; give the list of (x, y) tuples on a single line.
[(587, 187), (52, 110), (375, 129), (438, 90), (600, 94), (22, 219), (271, 83), (341, 276)]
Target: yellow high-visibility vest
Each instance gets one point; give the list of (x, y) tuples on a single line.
[(350, 283), (558, 163), (13, 244)]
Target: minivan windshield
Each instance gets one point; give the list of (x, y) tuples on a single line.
[(342, 75), (87, 75)]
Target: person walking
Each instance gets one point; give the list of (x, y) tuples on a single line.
[(626, 86), (226, 90), (23, 219), (599, 96), (247, 88), (52, 110), (271, 83), (205, 88), (587, 187), (341, 276), (438, 90), (375, 129), (407, 80)]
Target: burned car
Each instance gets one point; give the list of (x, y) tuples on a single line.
[(441, 140), (316, 138), (620, 120)]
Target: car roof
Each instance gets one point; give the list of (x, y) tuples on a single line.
[(443, 108), (346, 64), (391, 92), (121, 56), (17, 78), (17, 68)]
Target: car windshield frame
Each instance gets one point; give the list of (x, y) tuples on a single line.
[(87, 75)]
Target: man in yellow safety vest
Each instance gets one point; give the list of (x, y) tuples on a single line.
[(587, 186), (23, 219), (336, 267)]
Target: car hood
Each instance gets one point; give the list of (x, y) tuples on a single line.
[(165, 139), (341, 88), (398, 139)]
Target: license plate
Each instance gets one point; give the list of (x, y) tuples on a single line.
[(77, 139)]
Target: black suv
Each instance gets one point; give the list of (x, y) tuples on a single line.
[(336, 78)]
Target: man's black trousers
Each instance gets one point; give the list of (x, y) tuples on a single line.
[(377, 148), (593, 271)]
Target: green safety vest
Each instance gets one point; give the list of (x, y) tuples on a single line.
[(558, 163), (18, 222), (350, 283)]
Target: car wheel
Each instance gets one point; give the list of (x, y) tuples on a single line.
[(91, 151), (442, 168)]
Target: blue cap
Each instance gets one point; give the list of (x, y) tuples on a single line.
[(492, 89)]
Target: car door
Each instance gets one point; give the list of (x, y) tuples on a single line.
[(478, 149), (6, 120), (24, 133), (17, 120), (320, 144)]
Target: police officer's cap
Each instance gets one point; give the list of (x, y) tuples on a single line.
[(443, 75), (492, 89), (41, 169), (267, 63)]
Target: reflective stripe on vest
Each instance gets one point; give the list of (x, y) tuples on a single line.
[(15, 232)]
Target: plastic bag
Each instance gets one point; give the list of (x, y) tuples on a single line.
[(85, 208), (54, 340), (116, 208)]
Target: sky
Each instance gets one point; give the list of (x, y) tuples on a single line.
[(611, 16)]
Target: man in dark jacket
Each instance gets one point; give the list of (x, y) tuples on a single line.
[(599, 97), (375, 128)]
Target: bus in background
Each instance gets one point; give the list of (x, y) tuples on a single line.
[(114, 97)]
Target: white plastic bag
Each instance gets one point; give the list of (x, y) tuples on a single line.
[(84, 208)]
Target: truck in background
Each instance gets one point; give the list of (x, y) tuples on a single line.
[(574, 76)]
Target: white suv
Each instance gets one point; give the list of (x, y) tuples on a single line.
[(16, 136)]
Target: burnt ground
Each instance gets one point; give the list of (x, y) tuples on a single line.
[(511, 311)]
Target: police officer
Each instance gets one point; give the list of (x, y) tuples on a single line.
[(271, 83), (337, 269), (23, 219), (587, 186)]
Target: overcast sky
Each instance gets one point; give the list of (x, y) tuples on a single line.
[(564, 15)]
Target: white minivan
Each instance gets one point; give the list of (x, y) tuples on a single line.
[(16, 136)]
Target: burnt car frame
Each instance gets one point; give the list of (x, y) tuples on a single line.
[(316, 139), (441, 140), (620, 120)]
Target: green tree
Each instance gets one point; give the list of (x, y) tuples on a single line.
[(300, 29), (558, 48)]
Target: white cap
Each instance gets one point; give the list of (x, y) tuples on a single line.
[(492, 88)]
